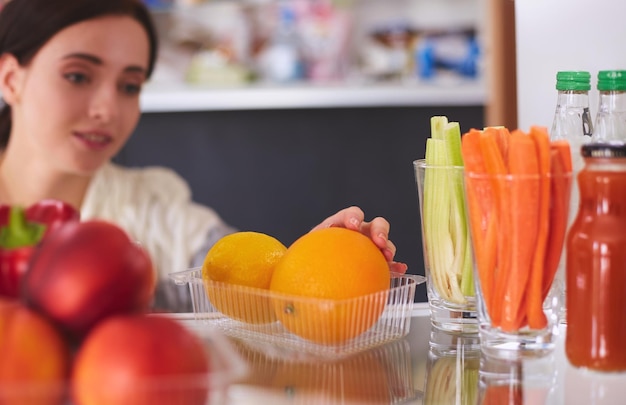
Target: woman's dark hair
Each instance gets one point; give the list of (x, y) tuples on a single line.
[(26, 25)]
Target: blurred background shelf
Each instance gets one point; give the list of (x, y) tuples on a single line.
[(264, 54), (170, 97)]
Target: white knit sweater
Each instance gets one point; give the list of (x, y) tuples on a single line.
[(155, 207)]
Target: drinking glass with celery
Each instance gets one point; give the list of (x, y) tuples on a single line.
[(445, 231)]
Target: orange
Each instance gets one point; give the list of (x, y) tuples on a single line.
[(346, 274), (237, 271)]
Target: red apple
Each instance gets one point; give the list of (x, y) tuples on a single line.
[(140, 360), (34, 358), (86, 271)]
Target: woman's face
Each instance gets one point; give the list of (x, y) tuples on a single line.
[(77, 102)]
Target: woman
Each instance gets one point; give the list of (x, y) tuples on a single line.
[(71, 72)]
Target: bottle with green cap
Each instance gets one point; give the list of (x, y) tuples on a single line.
[(572, 118), (611, 116), (573, 123)]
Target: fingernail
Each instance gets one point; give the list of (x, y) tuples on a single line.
[(354, 221), (388, 254), (382, 236), (401, 267)]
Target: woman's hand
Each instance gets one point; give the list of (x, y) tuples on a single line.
[(377, 230)]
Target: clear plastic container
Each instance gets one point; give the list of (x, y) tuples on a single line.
[(333, 328)]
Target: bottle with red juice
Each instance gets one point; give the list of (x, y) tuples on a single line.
[(596, 263)]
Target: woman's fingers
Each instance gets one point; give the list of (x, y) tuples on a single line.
[(398, 267), (377, 230), (351, 218)]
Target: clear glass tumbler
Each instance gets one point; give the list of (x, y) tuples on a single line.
[(447, 247), (518, 225)]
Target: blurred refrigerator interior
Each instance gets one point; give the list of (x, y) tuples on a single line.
[(319, 41)]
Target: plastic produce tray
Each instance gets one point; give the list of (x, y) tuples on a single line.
[(368, 321)]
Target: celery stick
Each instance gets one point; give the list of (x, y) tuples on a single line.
[(436, 218), (452, 137), (437, 123), (445, 222), (438, 214), (467, 275), (463, 263)]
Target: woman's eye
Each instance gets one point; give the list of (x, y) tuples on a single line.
[(77, 78), (131, 88)]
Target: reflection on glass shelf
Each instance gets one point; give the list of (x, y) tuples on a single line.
[(379, 376), (453, 368)]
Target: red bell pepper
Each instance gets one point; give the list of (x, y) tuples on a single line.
[(21, 230)]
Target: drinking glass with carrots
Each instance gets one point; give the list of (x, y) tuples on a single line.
[(517, 189)]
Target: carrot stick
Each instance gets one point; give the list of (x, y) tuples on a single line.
[(502, 139), (491, 247), (522, 315), (534, 302), (524, 222), (479, 200), (565, 151), (560, 188), (474, 164), (470, 148), (495, 166)]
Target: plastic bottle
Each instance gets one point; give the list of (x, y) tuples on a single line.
[(596, 263), (572, 122), (611, 116), (281, 61)]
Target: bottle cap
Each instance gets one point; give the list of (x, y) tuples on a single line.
[(571, 80), (603, 150), (612, 80)]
